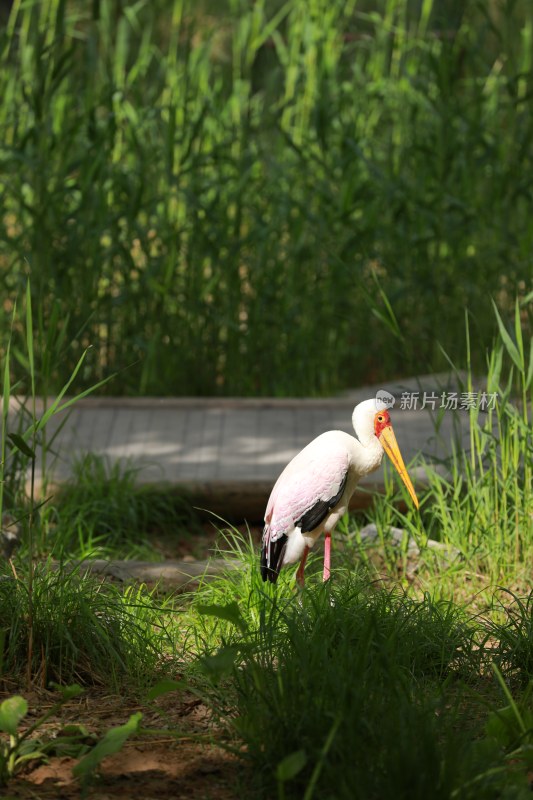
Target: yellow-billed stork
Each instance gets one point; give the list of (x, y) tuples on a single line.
[(314, 490)]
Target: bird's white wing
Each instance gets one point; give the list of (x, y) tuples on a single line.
[(309, 486)]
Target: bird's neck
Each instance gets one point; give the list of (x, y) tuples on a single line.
[(369, 454)]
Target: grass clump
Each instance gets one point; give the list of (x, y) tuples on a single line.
[(359, 690), (484, 505), (513, 638), (477, 502), (83, 631), (351, 690), (103, 512)]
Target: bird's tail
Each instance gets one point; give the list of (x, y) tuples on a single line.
[(272, 554)]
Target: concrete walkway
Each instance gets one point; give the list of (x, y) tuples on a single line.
[(227, 453)]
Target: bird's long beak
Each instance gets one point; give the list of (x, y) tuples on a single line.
[(390, 445)]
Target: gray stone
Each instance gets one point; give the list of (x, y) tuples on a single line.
[(440, 552), (167, 575)]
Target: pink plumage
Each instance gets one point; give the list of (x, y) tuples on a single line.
[(314, 490), (315, 474)]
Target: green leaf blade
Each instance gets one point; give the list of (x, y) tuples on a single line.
[(510, 346), (229, 612), (164, 686), (12, 711), (112, 742), (289, 767), (29, 337), (221, 663), (18, 442)]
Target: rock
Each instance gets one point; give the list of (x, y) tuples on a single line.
[(169, 574), (440, 552)]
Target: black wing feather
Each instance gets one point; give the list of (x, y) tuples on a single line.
[(272, 553), (318, 513)]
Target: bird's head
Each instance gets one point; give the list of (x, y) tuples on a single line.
[(371, 419)]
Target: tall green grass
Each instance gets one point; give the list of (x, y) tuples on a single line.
[(57, 624), (214, 192), (485, 505), (102, 512), (354, 690), (478, 501), (339, 690), (359, 689), (81, 630)]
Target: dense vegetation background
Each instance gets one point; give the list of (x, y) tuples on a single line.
[(221, 196)]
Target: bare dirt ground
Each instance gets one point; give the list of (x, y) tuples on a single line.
[(149, 767)]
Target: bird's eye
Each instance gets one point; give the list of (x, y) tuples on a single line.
[(380, 418)]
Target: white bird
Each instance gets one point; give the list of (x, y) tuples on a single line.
[(314, 490)]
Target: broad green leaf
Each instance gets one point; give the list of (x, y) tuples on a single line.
[(221, 663), (12, 711), (229, 612), (34, 755), (514, 710), (164, 687), (112, 742), (21, 445), (291, 765), (502, 725)]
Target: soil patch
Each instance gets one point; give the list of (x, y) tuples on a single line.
[(149, 767)]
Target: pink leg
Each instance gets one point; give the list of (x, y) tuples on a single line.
[(300, 579), (327, 557)]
